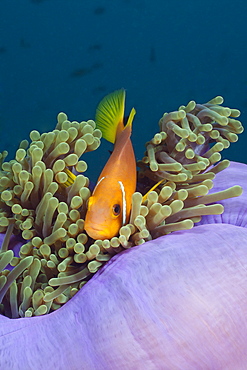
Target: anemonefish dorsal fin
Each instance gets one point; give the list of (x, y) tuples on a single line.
[(110, 114), (153, 188), (130, 118)]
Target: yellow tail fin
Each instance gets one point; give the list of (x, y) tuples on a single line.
[(110, 114)]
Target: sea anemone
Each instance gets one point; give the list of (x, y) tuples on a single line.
[(177, 302), (45, 206)]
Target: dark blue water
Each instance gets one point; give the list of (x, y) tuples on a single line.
[(60, 55)]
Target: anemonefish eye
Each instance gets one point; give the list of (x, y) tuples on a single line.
[(116, 209)]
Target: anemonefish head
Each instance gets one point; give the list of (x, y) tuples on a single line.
[(106, 214)]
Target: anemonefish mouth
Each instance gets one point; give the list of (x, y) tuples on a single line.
[(97, 232)]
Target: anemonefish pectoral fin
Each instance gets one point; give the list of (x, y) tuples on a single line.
[(153, 188), (70, 180), (109, 116)]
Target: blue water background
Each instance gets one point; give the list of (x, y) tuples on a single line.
[(65, 55)]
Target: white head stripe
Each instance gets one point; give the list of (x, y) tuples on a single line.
[(124, 201), (102, 178)]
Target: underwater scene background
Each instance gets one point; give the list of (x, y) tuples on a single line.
[(162, 292), (66, 55)]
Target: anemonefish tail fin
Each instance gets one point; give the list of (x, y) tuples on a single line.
[(110, 115)]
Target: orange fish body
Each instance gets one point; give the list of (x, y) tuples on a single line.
[(110, 204)]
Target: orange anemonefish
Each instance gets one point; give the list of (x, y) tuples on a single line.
[(110, 203)]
